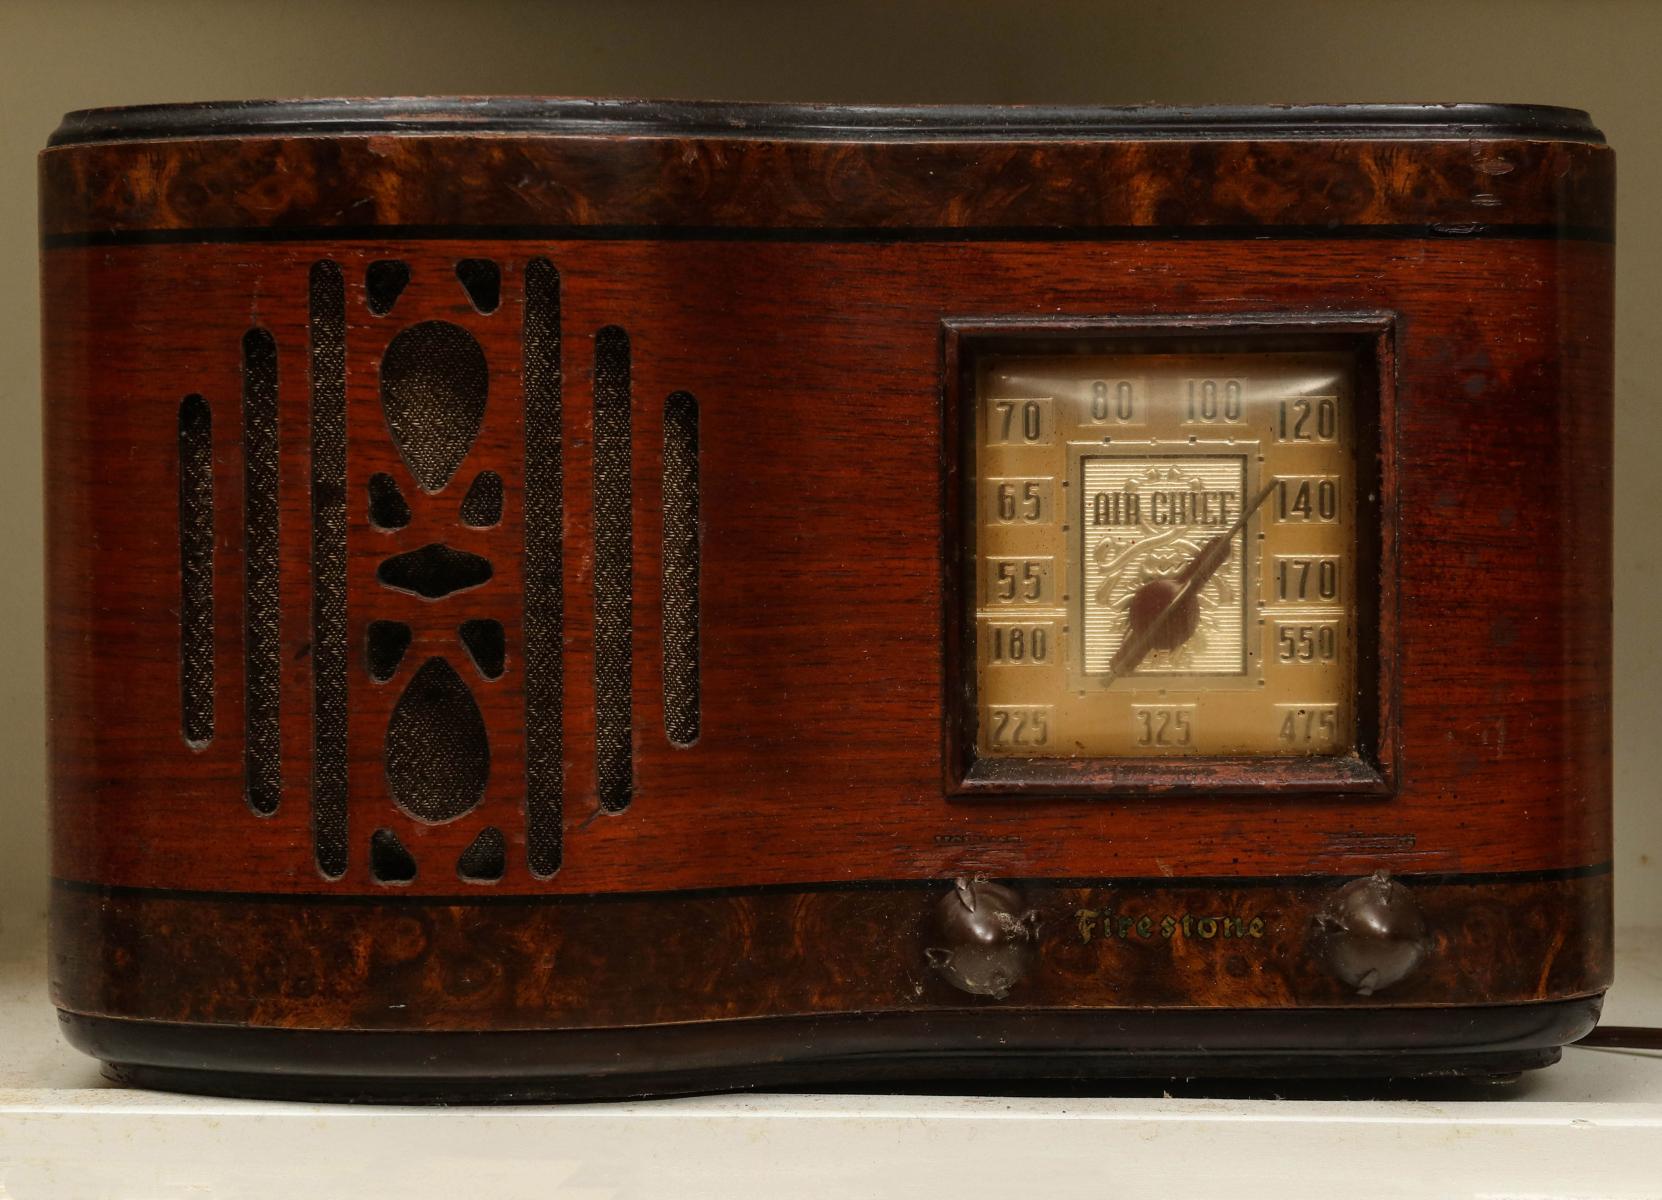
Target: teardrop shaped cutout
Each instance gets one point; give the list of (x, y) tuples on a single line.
[(438, 755), (434, 381), (482, 506), (481, 279), (486, 858), (387, 507), (434, 571), (384, 282), (486, 645), (389, 861), (384, 648)]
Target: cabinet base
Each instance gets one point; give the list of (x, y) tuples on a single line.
[(977, 1050)]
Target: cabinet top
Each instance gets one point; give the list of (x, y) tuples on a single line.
[(817, 122)]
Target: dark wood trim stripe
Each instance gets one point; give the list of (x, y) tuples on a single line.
[(516, 184), (873, 235), (653, 959), (1596, 870)]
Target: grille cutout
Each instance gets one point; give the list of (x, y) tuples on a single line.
[(482, 506), (438, 754), (486, 645), (385, 281), (486, 857), (384, 646), (680, 569), (389, 861), (481, 279), (544, 615), (388, 510), (434, 382), (613, 572), (262, 600), (196, 571), (434, 571), (327, 331)]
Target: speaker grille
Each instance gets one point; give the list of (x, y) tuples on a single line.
[(196, 571), (680, 569), (389, 860), (613, 567), (438, 752), (485, 859), (434, 384), (544, 571), (262, 601), (482, 506), (385, 281), (329, 654), (481, 278)]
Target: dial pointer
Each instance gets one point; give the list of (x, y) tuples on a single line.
[(1174, 596)]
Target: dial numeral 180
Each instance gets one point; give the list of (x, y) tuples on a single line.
[(1020, 644)]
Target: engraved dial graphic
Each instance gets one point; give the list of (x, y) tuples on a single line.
[(1165, 554)]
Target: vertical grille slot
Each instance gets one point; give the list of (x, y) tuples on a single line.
[(196, 572), (680, 569), (262, 602), (613, 565), (544, 570), (328, 504)]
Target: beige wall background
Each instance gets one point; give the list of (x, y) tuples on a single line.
[(1601, 55)]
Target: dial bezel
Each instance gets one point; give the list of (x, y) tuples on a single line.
[(1370, 767)]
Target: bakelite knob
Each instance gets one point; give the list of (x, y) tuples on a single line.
[(986, 938), (1371, 934)]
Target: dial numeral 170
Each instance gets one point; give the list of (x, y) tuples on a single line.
[(1315, 577)]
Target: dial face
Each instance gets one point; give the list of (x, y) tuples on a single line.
[(1166, 555)]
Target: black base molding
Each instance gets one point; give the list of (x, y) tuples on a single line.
[(883, 1051)]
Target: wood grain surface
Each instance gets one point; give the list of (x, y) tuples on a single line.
[(802, 291), (818, 373)]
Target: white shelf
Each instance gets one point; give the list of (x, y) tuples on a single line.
[(1591, 1126)]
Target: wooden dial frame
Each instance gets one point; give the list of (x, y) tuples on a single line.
[(1370, 768)]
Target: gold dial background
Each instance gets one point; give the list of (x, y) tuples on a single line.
[(1271, 669)]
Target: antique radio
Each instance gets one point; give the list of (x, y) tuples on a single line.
[(568, 598)]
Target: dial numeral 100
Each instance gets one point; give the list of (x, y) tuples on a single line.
[(1308, 419), (1213, 401), (1307, 641), (1019, 725), (1023, 644), (1304, 578), (1303, 726)]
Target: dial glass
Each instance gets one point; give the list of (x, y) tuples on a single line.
[(1165, 554)]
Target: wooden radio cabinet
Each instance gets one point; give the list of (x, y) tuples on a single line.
[(560, 598)]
